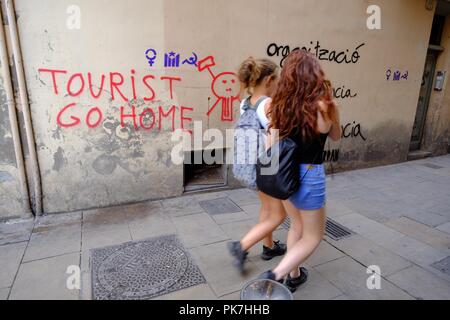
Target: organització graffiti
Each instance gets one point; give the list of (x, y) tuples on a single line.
[(344, 56)]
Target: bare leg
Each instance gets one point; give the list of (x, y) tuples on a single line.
[(313, 230), (264, 215), (265, 227), (295, 230)]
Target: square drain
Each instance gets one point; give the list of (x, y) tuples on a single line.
[(142, 269), (432, 166), (333, 229), (443, 265), (219, 206)]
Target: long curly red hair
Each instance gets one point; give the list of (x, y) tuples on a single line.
[(302, 85)]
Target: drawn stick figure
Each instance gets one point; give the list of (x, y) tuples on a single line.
[(225, 86)]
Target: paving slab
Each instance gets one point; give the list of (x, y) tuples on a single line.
[(199, 292), (215, 263), (100, 236), (86, 285), (316, 287), (45, 279), (55, 220), (369, 253), (336, 208), (252, 209), (443, 265), (56, 240), (230, 217), (219, 206), (351, 278), (232, 296), (4, 293), (375, 209), (342, 297), (181, 206), (435, 238), (427, 217), (150, 224), (324, 253), (375, 231), (10, 259), (445, 227), (198, 229), (421, 284), (15, 231), (416, 251), (243, 196)]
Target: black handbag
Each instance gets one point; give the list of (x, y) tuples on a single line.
[(277, 170)]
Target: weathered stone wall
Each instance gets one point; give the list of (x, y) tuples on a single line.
[(91, 151)]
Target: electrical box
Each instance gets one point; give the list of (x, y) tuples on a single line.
[(439, 83)]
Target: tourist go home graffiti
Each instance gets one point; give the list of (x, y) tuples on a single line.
[(224, 86)]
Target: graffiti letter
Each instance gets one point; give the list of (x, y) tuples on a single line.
[(132, 115), (183, 118), (53, 72), (374, 20), (67, 125), (74, 20), (162, 114), (145, 117), (96, 96), (69, 91), (99, 115), (114, 84), (171, 79), (144, 80)]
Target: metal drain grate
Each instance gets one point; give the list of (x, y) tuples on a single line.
[(432, 166), (142, 269), (336, 231), (333, 229)]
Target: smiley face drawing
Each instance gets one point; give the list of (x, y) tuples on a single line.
[(225, 86)]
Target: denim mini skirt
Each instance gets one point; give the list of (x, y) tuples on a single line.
[(312, 192)]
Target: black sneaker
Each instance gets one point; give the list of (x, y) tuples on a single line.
[(239, 255), (294, 283), (269, 275), (278, 250)]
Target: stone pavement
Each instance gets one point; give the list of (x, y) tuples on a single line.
[(400, 215)]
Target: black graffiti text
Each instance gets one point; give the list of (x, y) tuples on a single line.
[(352, 130), (331, 155), (343, 93), (344, 56)]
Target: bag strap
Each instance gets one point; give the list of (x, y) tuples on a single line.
[(247, 104)]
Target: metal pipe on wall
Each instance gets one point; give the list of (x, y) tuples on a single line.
[(17, 54), (13, 121)]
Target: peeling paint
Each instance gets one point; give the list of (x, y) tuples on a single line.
[(59, 159)]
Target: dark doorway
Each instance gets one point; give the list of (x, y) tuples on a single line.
[(424, 99), (428, 77)]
